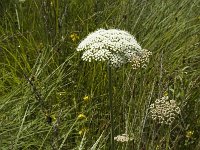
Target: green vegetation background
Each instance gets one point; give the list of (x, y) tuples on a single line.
[(44, 84)]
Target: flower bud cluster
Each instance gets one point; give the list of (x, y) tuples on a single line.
[(123, 138), (141, 59), (115, 46), (164, 110)]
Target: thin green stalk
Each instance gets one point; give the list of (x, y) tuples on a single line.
[(111, 107), (167, 138), (18, 22), (56, 15), (20, 129), (66, 135)]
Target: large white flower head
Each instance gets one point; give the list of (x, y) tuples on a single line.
[(115, 46)]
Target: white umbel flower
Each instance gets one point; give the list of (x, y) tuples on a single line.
[(164, 110), (123, 138), (115, 46)]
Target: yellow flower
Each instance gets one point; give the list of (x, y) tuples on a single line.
[(82, 131), (165, 93), (81, 116), (53, 118), (86, 98), (189, 134), (50, 118), (157, 147), (74, 37)]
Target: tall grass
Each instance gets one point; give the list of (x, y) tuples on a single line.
[(43, 80)]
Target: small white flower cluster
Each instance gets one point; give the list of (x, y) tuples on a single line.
[(123, 138), (164, 110), (115, 46), (141, 59)]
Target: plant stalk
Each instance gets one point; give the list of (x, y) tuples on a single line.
[(111, 107), (168, 139)]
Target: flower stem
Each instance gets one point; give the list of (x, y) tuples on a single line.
[(168, 139), (111, 107)]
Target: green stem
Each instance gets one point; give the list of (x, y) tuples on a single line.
[(167, 138), (56, 16), (111, 107)]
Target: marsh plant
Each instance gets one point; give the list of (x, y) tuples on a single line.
[(116, 48)]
